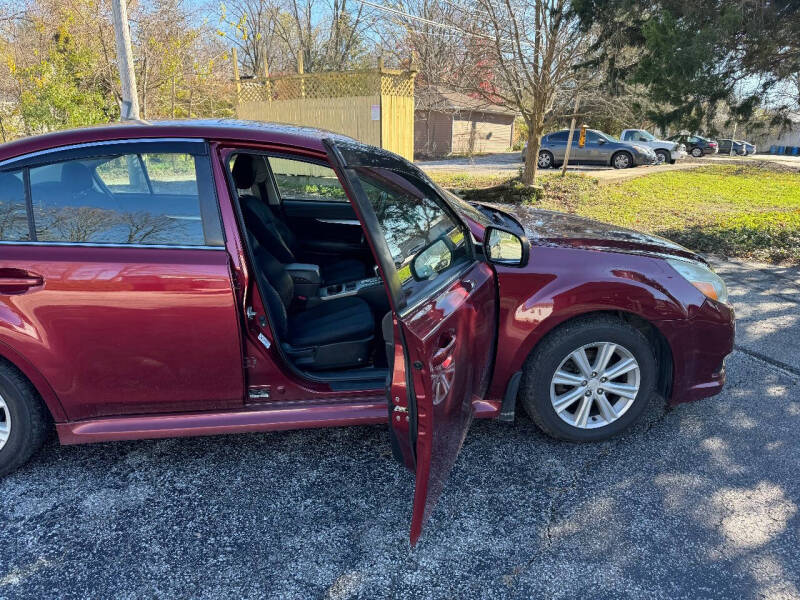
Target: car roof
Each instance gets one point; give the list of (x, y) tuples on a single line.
[(230, 130)]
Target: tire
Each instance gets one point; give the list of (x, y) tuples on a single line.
[(546, 160), (697, 152), (29, 422), (549, 356), (672, 161), (663, 157), (622, 160)]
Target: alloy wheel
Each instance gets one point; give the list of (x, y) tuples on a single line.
[(5, 422), (595, 385), (697, 153), (622, 161), (544, 160)]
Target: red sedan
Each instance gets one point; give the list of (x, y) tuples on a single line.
[(199, 278)]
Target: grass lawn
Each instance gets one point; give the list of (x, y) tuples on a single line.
[(744, 211)]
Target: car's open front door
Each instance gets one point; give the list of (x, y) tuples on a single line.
[(443, 312)]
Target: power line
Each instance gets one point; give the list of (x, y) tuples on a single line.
[(406, 15)]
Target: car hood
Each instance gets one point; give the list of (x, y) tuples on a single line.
[(549, 228)]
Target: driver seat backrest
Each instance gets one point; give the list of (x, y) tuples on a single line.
[(251, 173)]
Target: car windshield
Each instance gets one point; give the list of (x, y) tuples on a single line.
[(609, 138), (647, 136)]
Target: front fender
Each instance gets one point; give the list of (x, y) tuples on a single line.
[(560, 284)]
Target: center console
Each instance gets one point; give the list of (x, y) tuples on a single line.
[(351, 288)]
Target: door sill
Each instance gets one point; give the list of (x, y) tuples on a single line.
[(107, 429)]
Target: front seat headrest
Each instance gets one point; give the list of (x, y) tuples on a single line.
[(76, 177), (244, 175)]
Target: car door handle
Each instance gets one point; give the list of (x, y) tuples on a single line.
[(16, 281), (446, 345)]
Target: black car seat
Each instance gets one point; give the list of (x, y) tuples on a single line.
[(334, 334), (249, 173)]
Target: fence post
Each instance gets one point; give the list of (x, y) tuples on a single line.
[(300, 71), (267, 82), (235, 59)]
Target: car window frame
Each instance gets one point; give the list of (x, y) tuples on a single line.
[(208, 202), (438, 199)]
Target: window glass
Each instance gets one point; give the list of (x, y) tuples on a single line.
[(300, 180), (120, 199), (13, 213), (591, 137), (425, 243), (559, 136), (123, 174)]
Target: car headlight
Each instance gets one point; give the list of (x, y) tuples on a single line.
[(701, 277), (641, 149)]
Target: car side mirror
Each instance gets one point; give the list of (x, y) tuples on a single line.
[(434, 258), (505, 248), (601, 141)]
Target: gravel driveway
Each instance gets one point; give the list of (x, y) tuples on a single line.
[(700, 501)]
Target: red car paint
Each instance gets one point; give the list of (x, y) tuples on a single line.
[(131, 342)]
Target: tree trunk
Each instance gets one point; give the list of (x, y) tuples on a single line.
[(535, 129)]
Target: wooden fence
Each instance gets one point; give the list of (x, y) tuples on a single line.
[(373, 106)]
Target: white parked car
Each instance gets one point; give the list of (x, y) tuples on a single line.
[(666, 151)]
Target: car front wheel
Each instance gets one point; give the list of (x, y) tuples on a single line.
[(23, 420), (545, 159), (621, 160), (697, 152), (663, 157), (589, 379)]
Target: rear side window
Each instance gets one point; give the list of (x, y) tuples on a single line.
[(121, 199), (300, 180), (13, 212)]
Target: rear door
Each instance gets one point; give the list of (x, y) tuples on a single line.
[(127, 305), (443, 319)]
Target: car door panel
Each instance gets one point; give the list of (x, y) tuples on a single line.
[(146, 329), (325, 227), (443, 343), (452, 336)]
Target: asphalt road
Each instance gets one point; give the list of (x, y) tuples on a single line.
[(699, 501)]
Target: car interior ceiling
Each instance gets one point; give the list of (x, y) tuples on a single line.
[(325, 309)]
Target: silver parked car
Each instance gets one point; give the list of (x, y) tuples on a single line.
[(598, 149)]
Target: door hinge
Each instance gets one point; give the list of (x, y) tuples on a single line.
[(249, 362), (250, 313), (258, 393)]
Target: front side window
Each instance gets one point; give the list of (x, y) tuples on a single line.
[(13, 213), (560, 136), (121, 199), (426, 243), (300, 180)]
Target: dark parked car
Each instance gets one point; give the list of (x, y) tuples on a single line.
[(695, 145), (726, 144), (200, 278), (599, 149)]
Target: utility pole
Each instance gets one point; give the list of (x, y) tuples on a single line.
[(569, 138), (127, 77)]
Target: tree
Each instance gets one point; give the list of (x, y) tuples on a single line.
[(525, 54), (694, 57)]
